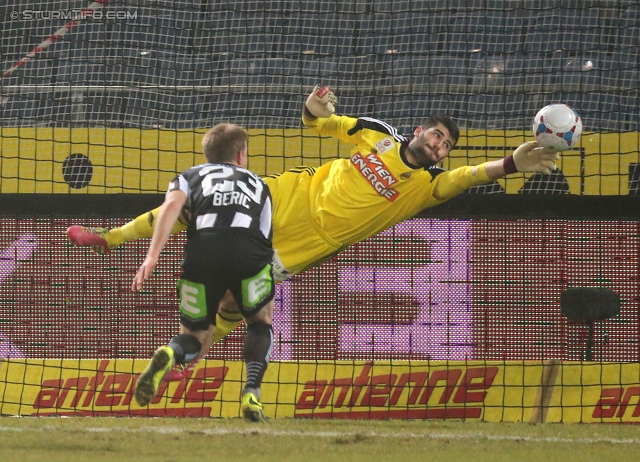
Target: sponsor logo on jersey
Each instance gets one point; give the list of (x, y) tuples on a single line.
[(376, 173), (384, 145)]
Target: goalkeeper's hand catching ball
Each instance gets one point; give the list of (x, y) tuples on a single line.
[(321, 102), (533, 158)]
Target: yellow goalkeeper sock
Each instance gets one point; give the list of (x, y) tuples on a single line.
[(140, 227), (225, 325)]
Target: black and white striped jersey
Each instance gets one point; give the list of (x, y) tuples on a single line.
[(225, 196)]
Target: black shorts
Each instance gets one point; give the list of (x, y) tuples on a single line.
[(216, 262)]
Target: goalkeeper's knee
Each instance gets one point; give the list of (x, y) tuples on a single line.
[(225, 323)]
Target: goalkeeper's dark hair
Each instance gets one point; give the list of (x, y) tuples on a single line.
[(223, 142), (448, 122)]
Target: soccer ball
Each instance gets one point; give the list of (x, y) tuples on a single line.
[(557, 126)]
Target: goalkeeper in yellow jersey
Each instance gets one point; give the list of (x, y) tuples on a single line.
[(317, 212)]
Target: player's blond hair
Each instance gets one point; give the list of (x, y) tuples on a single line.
[(223, 142)]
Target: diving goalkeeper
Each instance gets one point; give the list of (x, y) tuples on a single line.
[(317, 212)]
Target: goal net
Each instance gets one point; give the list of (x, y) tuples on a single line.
[(103, 103), (185, 65)]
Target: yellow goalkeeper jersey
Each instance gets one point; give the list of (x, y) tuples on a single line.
[(318, 212)]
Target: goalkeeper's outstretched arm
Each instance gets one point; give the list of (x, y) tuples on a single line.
[(527, 158)]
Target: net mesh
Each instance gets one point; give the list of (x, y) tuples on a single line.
[(187, 65), (116, 102), (184, 64)]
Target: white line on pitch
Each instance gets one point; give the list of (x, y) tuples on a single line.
[(288, 433)]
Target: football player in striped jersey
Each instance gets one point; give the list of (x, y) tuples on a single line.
[(228, 250)]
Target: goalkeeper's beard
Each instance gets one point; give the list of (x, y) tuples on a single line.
[(422, 157)]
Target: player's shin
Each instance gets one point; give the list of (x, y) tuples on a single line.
[(256, 351)]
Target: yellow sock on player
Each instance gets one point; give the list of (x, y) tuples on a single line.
[(140, 227), (224, 325)]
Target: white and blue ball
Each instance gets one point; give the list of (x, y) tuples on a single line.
[(557, 126)]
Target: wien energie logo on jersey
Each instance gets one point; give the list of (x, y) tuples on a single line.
[(376, 173)]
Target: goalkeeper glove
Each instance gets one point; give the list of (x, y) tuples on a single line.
[(321, 102), (531, 158)]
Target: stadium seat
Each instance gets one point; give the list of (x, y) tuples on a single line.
[(37, 72), (167, 109), (175, 6), (76, 72), (259, 110), (40, 110), (168, 35), (426, 6), (357, 105), (455, 67), (107, 109), (244, 72), (590, 31), (505, 5), (407, 111), (283, 74), (600, 112), (190, 19), (630, 112), (16, 39), (131, 71), (247, 36), (630, 15), (441, 104), (277, 73), (487, 31), (628, 38), (85, 40), (399, 33), (544, 34), (504, 73), (20, 108), (395, 109), (319, 70), (215, 109), (329, 34), (434, 72), (235, 30), (132, 34), (585, 30), (404, 70), (207, 37), (148, 34), (498, 112), (542, 71), (584, 72), (322, 6), (627, 65), (359, 74)]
